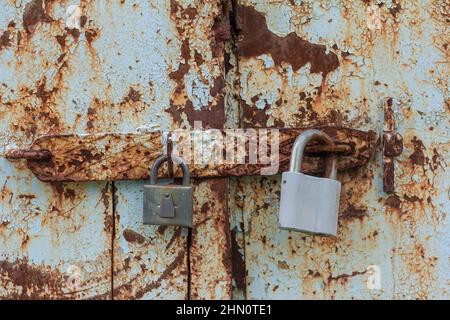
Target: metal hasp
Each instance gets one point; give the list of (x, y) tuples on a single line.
[(168, 204), (310, 204), (392, 145), (128, 156)]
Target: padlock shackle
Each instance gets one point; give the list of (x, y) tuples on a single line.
[(299, 146), (163, 158)]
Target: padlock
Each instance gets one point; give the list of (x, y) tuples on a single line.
[(168, 204), (310, 204)]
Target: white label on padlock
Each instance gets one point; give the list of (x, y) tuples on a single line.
[(309, 204)]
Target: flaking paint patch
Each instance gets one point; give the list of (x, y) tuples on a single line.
[(257, 39), (417, 210), (31, 281), (196, 96), (210, 246)]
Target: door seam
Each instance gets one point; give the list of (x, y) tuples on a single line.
[(113, 235)]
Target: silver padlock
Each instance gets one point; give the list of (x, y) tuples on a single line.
[(168, 204), (310, 204)]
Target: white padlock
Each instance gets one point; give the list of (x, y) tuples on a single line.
[(310, 204)]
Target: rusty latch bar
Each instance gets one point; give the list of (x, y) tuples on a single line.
[(46, 155), (114, 156), (34, 155), (392, 145)]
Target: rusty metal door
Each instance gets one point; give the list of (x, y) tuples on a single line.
[(338, 62), (107, 66), (87, 67)]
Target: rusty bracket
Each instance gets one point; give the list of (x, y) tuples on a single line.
[(115, 156), (392, 146)]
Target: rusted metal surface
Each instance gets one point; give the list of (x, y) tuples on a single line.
[(392, 145), (129, 156), (283, 64), (303, 63), (55, 238), (210, 245)]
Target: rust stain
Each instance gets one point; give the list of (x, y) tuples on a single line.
[(69, 193), (258, 39), (282, 265), (5, 40), (222, 29), (161, 230), (210, 245), (198, 58), (418, 156), (26, 196), (343, 278), (83, 20), (61, 39), (215, 115), (183, 68), (220, 188), (133, 236), (35, 13), (412, 198), (393, 201), (142, 290), (133, 95), (42, 92), (437, 161), (35, 282), (38, 119), (352, 212), (174, 237), (37, 116), (74, 32), (90, 35), (238, 263), (212, 115), (256, 117), (395, 8), (164, 275)]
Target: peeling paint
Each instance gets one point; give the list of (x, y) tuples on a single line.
[(227, 63)]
